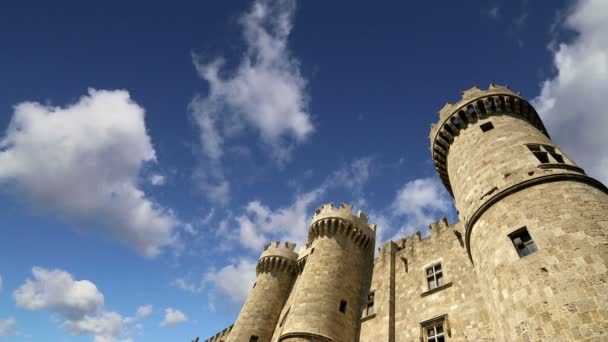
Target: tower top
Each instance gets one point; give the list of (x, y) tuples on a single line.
[(474, 105), (344, 211)]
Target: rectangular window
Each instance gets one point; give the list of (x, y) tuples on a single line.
[(343, 306), (523, 242), (546, 154), (434, 276), (435, 330), (486, 126), (253, 339), (369, 309)]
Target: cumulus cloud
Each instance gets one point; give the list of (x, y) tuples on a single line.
[(83, 161), (421, 202), (106, 325), (173, 316), (233, 281), (78, 301), (6, 326), (57, 291), (266, 93), (572, 103), (144, 311)]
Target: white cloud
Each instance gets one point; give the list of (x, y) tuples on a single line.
[(266, 93), (83, 161), (572, 103), (234, 281), (6, 326), (173, 316), (57, 291), (106, 326), (157, 179), (185, 285), (144, 311), (421, 201), (78, 301), (259, 224)]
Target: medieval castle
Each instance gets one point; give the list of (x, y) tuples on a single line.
[(527, 261)]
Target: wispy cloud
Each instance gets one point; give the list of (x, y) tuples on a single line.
[(7, 326), (265, 93)]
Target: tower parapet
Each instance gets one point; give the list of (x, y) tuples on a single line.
[(276, 258), (330, 220), (475, 105)]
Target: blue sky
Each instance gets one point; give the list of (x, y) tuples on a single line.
[(149, 151)]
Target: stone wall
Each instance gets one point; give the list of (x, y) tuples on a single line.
[(400, 271)]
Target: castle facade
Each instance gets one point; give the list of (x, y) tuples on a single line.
[(527, 260)]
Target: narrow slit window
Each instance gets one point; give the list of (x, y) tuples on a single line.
[(369, 308), (471, 109), (254, 284), (481, 106), (486, 126), (312, 250), (491, 104), (343, 306), (524, 245)]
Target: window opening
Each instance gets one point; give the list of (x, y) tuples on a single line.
[(253, 338), (542, 153), (491, 104), (435, 333), (486, 126), (523, 242), (254, 284), (369, 308), (342, 306), (434, 276), (481, 106)]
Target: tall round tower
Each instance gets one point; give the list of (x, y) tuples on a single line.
[(536, 225), (335, 280), (275, 272)]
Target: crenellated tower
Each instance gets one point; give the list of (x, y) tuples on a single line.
[(275, 274), (535, 223), (335, 279)]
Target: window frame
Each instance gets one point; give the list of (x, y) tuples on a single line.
[(438, 282), (529, 246), (432, 324)]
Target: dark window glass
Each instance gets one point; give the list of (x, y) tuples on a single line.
[(523, 242)]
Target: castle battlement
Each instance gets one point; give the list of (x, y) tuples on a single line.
[(476, 104), (329, 220)]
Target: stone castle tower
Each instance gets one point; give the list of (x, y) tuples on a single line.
[(527, 260)]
